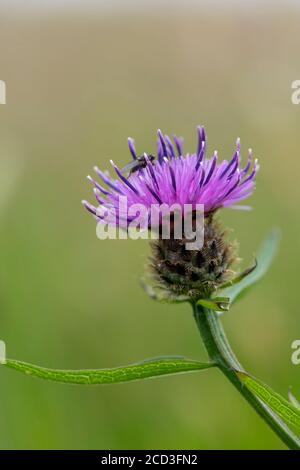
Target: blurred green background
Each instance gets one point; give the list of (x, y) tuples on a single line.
[(78, 83)]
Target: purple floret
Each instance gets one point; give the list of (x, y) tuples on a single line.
[(177, 178)]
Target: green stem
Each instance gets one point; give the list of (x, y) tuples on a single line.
[(220, 352)]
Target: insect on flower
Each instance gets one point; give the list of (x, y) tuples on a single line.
[(137, 164)]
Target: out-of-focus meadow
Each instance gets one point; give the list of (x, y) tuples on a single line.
[(77, 86)]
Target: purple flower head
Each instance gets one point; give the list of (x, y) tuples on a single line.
[(173, 177)]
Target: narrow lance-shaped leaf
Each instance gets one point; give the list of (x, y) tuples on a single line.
[(286, 410), (142, 370), (264, 260), (218, 304), (293, 399)]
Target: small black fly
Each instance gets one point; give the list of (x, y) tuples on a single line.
[(137, 164)]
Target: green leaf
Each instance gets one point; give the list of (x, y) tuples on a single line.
[(293, 399), (264, 260), (286, 410), (218, 304), (239, 277), (142, 370)]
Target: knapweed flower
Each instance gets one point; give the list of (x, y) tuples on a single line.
[(172, 177)]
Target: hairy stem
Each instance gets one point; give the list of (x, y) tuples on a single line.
[(220, 352)]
